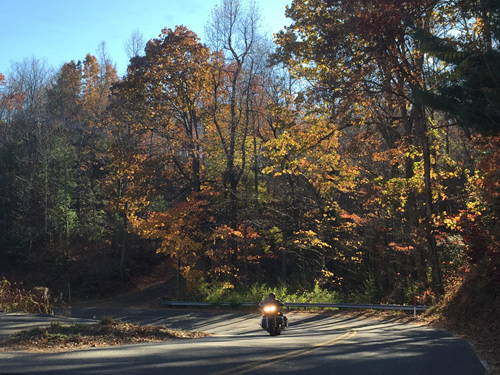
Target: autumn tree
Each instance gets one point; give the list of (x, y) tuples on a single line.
[(466, 91), (98, 76), (122, 124), (366, 77), (178, 74), (233, 34), (157, 122), (233, 31), (77, 101), (64, 96)]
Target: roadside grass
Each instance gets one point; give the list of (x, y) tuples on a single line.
[(107, 332)]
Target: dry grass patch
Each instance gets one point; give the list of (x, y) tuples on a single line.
[(107, 332)]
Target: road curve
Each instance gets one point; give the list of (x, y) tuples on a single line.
[(316, 344)]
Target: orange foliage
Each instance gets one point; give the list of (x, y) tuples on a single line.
[(399, 247), (489, 164), (178, 228), (243, 231), (11, 101), (354, 217)]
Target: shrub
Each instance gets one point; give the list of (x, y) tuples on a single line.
[(14, 297), (217, 292), (106, 321)]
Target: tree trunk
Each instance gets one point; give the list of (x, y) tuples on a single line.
[(124, 241), (437, 281)]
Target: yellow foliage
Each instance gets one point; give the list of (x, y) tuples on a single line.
[(309, 239)]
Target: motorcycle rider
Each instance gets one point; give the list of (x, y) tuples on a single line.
[(271, 300)]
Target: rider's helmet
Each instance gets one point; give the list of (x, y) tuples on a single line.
[(272, 295)]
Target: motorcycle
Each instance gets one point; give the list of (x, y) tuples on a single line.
[(273, 320)]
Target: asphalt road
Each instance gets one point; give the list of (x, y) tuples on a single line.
[(313, 344)]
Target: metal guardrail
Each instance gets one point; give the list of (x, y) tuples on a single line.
[(204, 304), (359, 306), (415, 308)]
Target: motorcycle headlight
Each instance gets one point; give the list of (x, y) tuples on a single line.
[(270, 308)]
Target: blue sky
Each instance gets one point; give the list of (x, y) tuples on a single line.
[(58, 31)]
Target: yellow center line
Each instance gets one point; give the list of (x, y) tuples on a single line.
[(243, 369)]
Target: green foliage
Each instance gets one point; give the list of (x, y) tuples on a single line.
[(257, 291), (412, 292), (55, 325), (370, 293), (218, 292), (314, 295), (466, 87)]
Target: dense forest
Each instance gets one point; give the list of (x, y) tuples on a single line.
[(357, 151)]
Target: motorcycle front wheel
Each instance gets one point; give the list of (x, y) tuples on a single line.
[(274, 331)]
